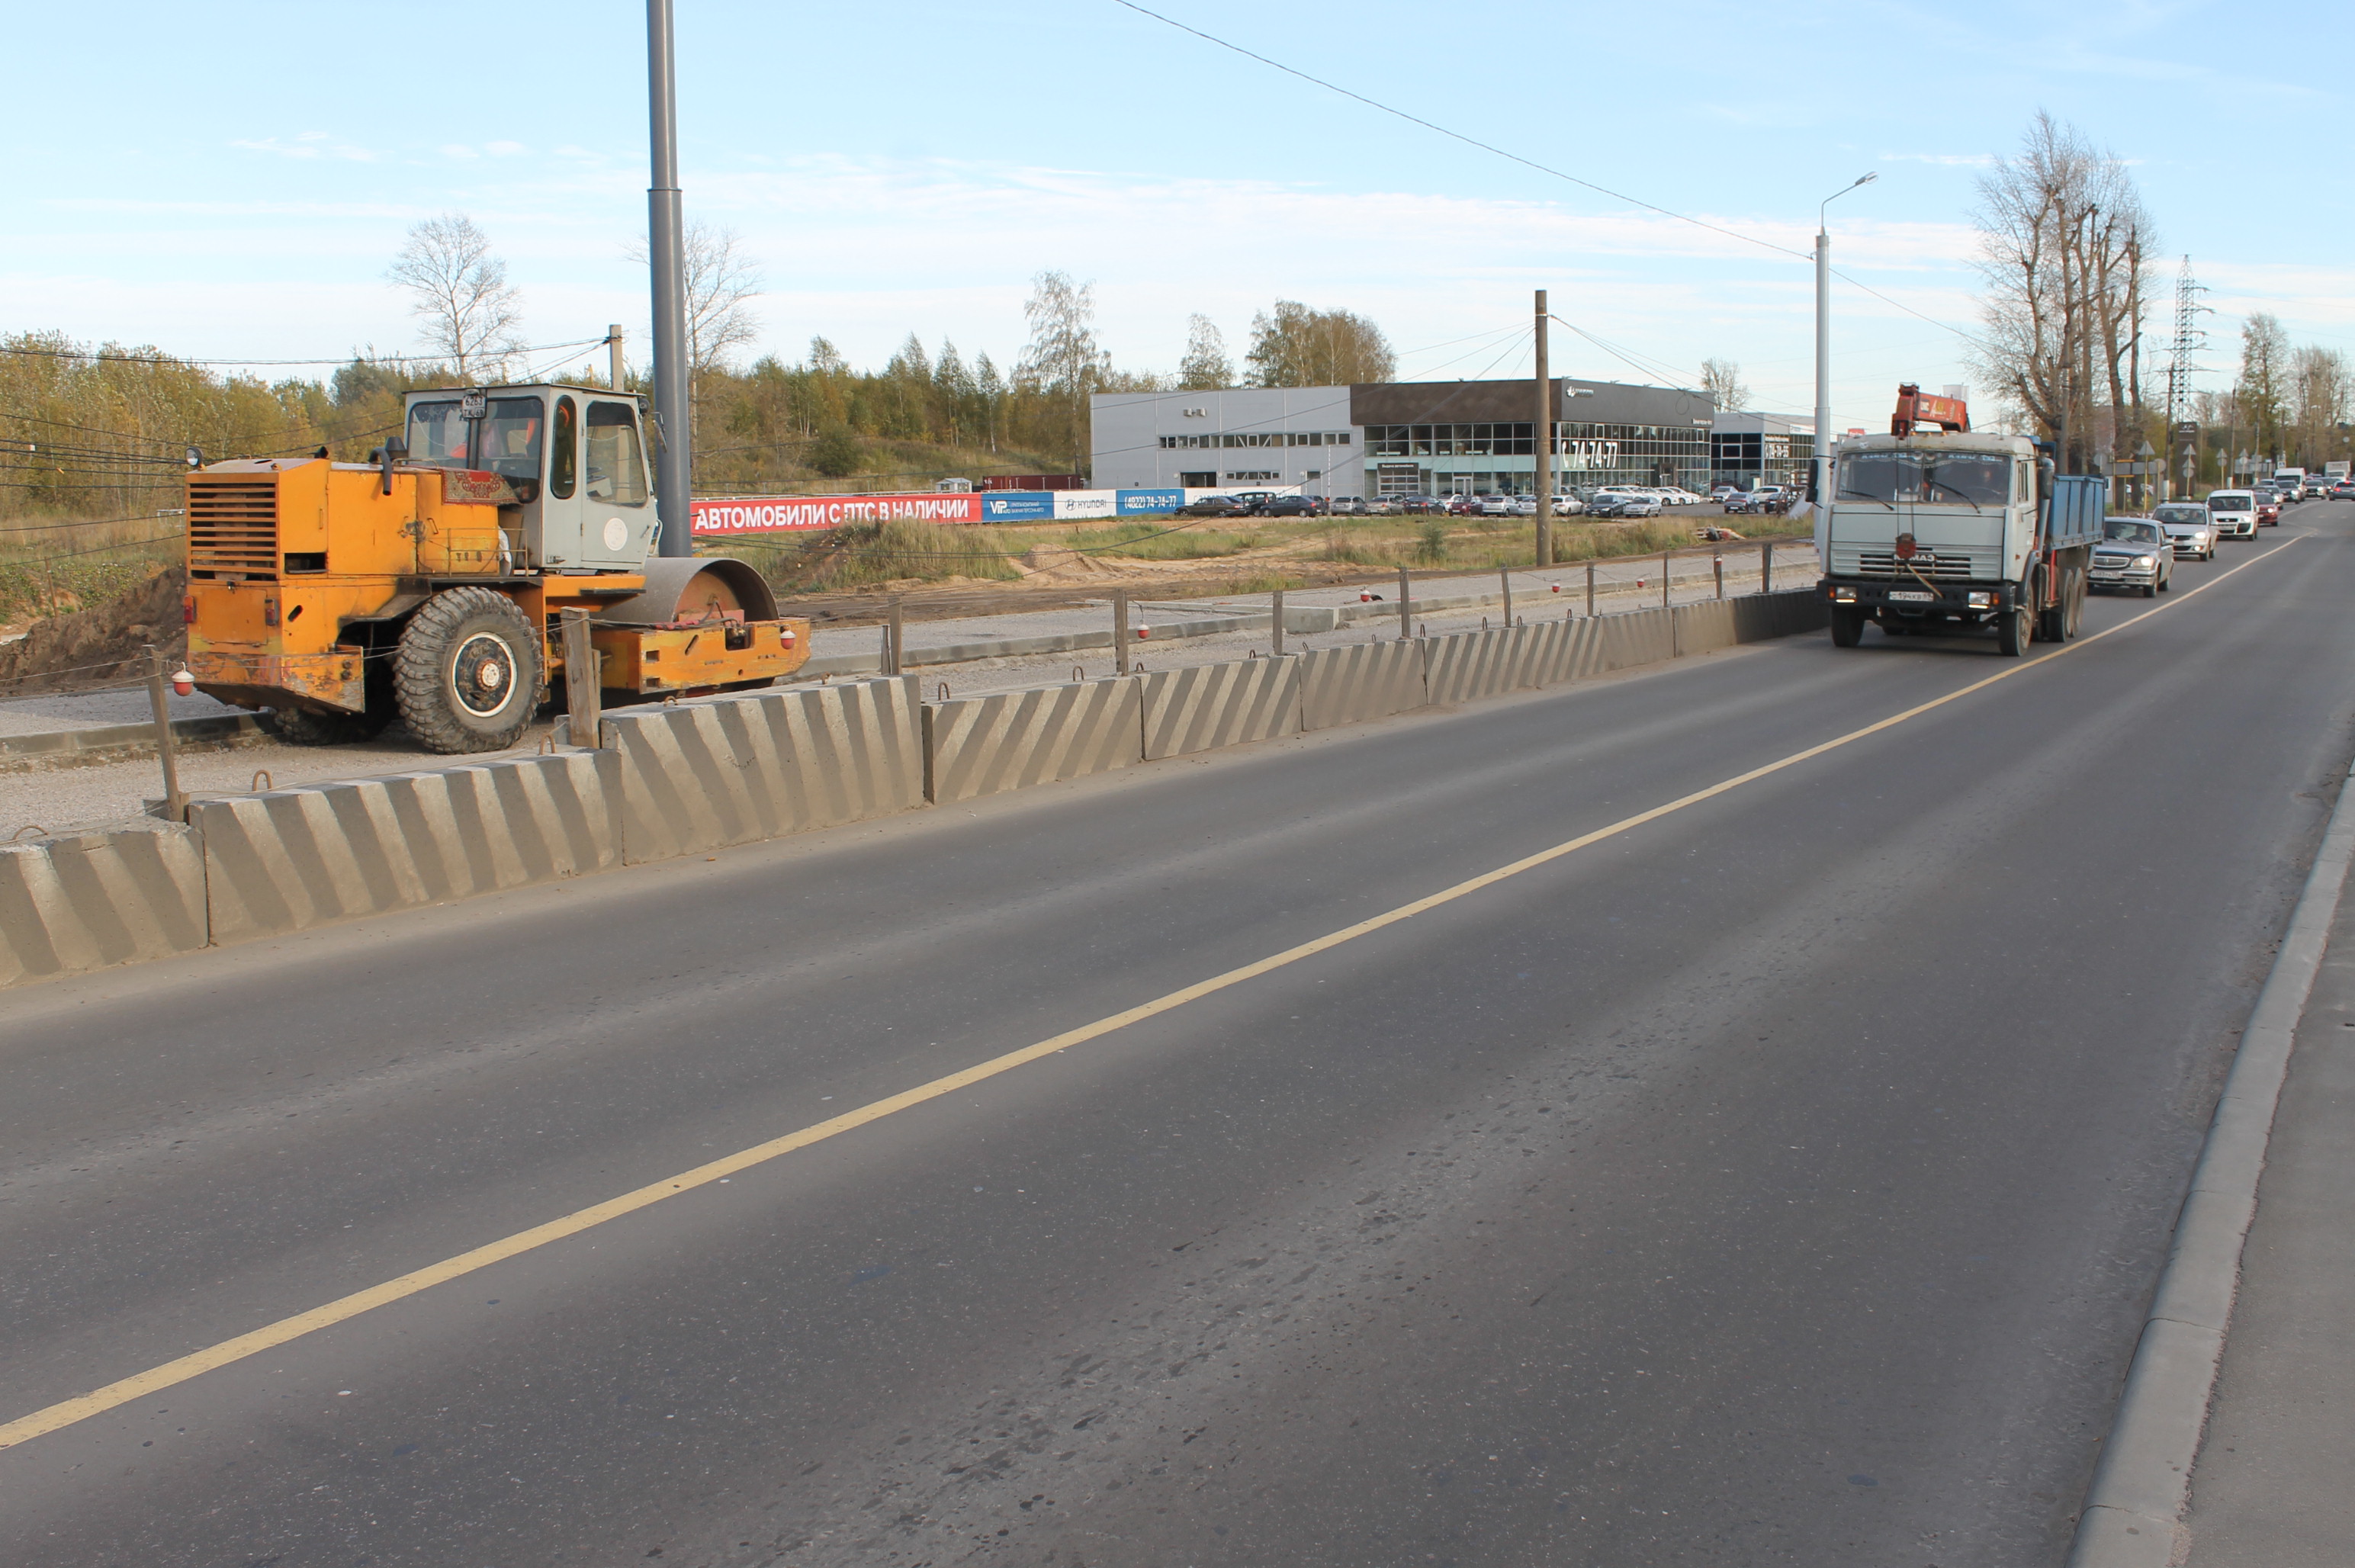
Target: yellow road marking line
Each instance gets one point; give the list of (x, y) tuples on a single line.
[(65, 1412)]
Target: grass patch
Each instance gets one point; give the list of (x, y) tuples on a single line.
[(54, 567), (866, 555), (1156, 540)]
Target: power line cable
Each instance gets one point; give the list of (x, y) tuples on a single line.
[(1460, 137), (100, 357)]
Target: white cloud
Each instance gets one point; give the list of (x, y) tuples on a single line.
[(310, 144)]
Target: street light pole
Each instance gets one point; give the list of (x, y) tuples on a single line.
[(1544, 446), (1823, 469), (666, 254)]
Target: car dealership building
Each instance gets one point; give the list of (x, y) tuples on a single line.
[(1430, 438)]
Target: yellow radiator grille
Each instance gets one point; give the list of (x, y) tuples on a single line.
[(233, 526)]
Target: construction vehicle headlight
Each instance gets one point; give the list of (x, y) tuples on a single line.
[(1982, 601), (1843, 595)]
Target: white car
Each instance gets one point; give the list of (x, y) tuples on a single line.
[(1677, 496), (1568, 507), (1524, 506), (2188, 527), (2235, 513)]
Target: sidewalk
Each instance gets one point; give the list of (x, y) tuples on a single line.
[(2274, 1486)]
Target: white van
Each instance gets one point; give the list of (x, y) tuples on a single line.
[(2235, 513)]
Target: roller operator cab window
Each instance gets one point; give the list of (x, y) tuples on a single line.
[(617, 469), (1927, 479), (2131, 532), (563, 452), (505, 440)]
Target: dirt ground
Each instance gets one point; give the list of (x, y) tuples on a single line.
[(103, 645)]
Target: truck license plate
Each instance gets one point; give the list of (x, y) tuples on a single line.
[(1913, 595)]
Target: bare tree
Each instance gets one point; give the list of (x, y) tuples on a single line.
[(2322, 390), (1297, 346), (2265, 387), (721, 283), (1722, 379), (1206, 366), (459, 289), (1063, 358), (2062, 240)]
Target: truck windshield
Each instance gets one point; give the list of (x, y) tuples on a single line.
[(1888, 477), (505, 441)]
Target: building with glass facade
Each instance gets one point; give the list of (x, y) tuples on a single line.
[(1751, 449), (1444, 438), (1434, 438)]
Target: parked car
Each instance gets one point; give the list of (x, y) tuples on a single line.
[(1252, 500), (1463, 506), (2235, 513), (1350, 507), (1677, 495), (1635, 504), (1524, 506), (1212, 507), (2133, 554), (1722, 491), (1568, 506), (2188, 527), (1497, 505), (1287, 507)]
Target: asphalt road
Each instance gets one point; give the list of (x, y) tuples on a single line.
[(1776, 1181)]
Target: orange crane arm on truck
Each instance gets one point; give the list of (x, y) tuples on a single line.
[(1917, 409)]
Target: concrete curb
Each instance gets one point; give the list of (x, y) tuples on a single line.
[(2132, 1509), (113, 742), (982, 745), (1201, 707)]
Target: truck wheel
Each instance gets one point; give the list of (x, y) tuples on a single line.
[(2014, 631), (467, 672), (297, 728), (1847, 626)]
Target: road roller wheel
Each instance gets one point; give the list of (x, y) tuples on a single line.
[(467, 672)]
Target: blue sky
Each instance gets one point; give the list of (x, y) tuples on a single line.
[(231, 179)]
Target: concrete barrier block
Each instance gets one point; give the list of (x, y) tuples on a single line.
[(1705, 628), (1469, 666), (1207, 705), (1634, 637), (292, 859), (981, 745), (698, 775), (1365, 680), (1759, 617), (77, 902)]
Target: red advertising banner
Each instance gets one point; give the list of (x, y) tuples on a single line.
[(722, 516)]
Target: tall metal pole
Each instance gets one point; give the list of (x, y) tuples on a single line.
[(665, 251), (1823, 443), (1821, 492), (1544, 447)]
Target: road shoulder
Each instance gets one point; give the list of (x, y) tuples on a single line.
[(2269, 1489)]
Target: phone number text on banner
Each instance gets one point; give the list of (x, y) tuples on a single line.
[(782, 513)]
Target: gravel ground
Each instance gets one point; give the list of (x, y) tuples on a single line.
[(65, 797)]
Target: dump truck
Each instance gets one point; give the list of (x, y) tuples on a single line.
[(429, 584), (1934, 529)]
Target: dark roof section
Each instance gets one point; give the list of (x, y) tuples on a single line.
[(1483, 402)]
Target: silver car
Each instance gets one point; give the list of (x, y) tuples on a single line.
[(2188, 527), (2135, 555)]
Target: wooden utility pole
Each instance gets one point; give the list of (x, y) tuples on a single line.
[(1120, 631), (176, 805), (582, 678), (1544, 445)]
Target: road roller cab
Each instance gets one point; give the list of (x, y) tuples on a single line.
[(427, 585)]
